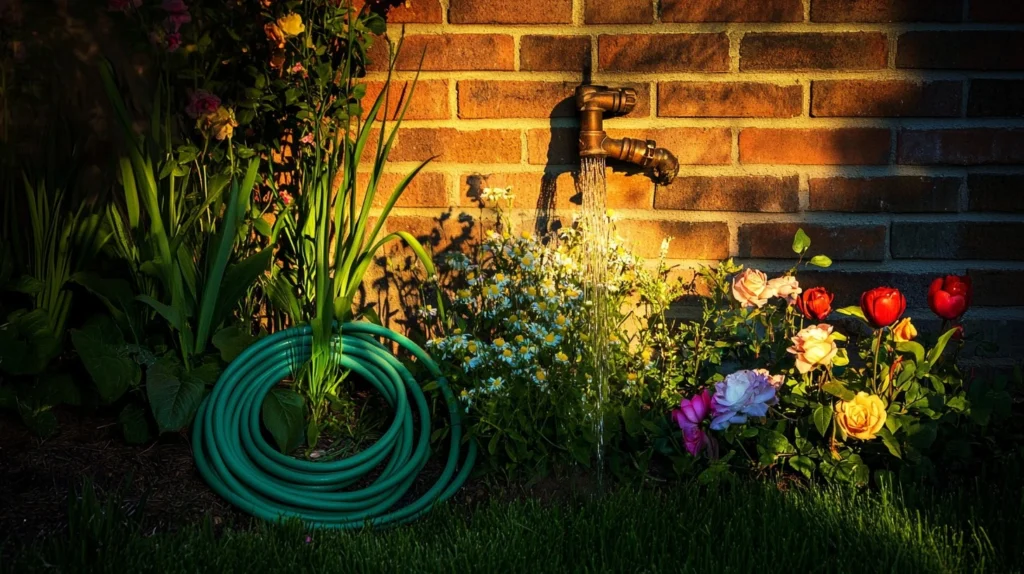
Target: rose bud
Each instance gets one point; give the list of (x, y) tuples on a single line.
[(815, 303), (950, 296), (882, 306)]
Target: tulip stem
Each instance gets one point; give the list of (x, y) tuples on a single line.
[(878, 349)]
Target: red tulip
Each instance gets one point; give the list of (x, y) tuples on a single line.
[(815, 303), (950, 296), (882, 306)]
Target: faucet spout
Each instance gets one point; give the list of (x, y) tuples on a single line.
[(592, 103)]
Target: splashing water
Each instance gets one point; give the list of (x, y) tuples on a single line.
[(596, 231)]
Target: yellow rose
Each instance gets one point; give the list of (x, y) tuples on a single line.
[(291, 24), (221, 123), (904, 331), (862, 417)]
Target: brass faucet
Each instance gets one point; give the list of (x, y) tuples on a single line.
[(592, 103)]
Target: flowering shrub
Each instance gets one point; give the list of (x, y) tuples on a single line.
[(811, 408)]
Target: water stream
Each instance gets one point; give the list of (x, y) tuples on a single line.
[(596, 231)]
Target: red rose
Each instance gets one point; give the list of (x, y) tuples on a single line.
[(950, 296), (815, 303), (882, 306)]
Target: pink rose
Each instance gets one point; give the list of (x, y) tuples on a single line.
[(785, 287), (307, 139), (750, 288), (814, 346), (201, 103), (286, 198), (689, 416)]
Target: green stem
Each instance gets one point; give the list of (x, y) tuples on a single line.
[(878, 349)]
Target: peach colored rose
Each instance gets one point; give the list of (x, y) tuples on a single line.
[(221, 123), (750, 288), (862, 417), (776, 380), (785, 287), (813, 346), (904, 331)]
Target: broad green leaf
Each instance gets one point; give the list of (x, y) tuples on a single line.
[(852, 311), (237, 280), (26, 343), (284, 416), (492, 445), (231, 341), (101, 346), (134, 424), (27, 284), (838, 389), (800, 241), (115, 294), (170, 314), (822, 417), (922, 435), (841, 359), (40, 421), (912, 347), (940, 345), (173, 397), (776, 442), (890, 442), (958, 404), (803, 464), (55, 389), (820, 261)]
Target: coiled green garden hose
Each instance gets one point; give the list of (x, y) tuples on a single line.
[(239, 465)]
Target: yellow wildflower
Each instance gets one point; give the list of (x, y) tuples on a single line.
[(499, 342), (291, 24)]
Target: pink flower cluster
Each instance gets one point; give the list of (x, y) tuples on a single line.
[(177, 16), (739, 395), (201, 103)]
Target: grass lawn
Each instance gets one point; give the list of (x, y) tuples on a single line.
[(748, 527)]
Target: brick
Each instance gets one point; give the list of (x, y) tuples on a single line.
[(992, 240), (979, 146), (961, 50), (554, 53), (701, 240), (895, 98), (446, 232), (427, 189), (691, 146), (896, 194), (455, 52), (813, 51), (996, 192), (996, 98), (728, 100), (451, 145), (886, 10), (429, 100), (842, 146), (414, 12), (997, 287), (663, 52), (848, 285), (497, 99), (618, 12), (840, 242), (544, 191), (732, 11), (509, 12), (730, 193), (996, 11)]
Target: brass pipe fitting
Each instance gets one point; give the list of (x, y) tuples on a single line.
[(592, 103)]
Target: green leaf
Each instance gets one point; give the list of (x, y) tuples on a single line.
[(852, 311), (958, 404), (822, 417), (890, 442), (27, 284), (492, 445), (55, 389), (776, 442), (841, 359), (803, 464), (134, 424), (231, 341), (26, 343), (838, 389), (800, 241), (237, 280), (115, 294), (40, 421), (922, 435), (912, 347), (820, 261), (174, 396), (101, 346), (940, 346), (284, 416), (170, 314)]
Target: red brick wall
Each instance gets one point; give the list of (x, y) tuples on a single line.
[(892, 131)]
